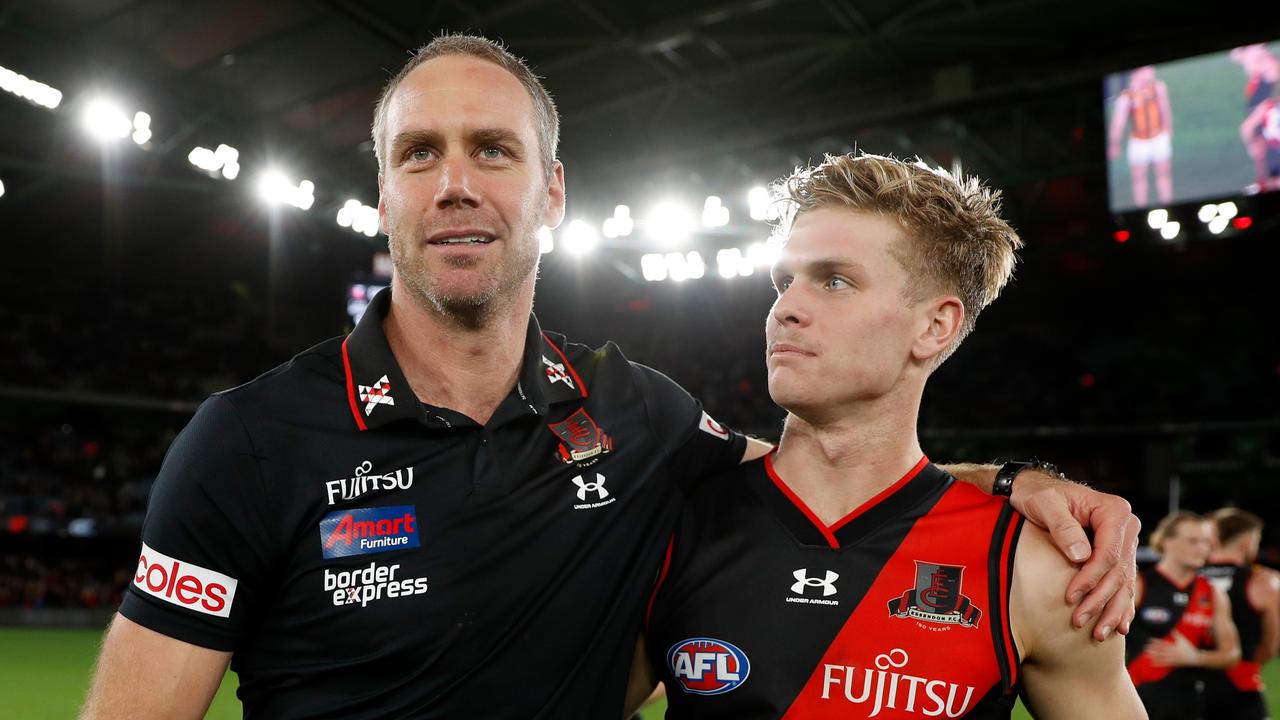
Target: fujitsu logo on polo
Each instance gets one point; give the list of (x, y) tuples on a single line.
[(364, 482), (184, 584)]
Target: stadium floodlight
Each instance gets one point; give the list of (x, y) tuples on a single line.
[(714, 213), (1170, 230), (677, 267), (694, 265), (276, 188), (24, 87), (546, 243), (104, 120), (620, 225), (1, 188), (669, 223), (1207, 212), (1157, 218), (359, 217), (763, 255), (654, 267), (225, 159), (580, 237), (758, 201), (141, 128), (1218, 224), (1228, 209), (728, 260)]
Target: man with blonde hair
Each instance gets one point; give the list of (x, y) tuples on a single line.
[(1254, 593), (844, 575), (449, 512), (1183, 624)]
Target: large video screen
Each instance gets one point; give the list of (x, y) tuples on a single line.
[(1193, 129)]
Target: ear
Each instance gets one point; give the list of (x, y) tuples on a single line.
[(941, 318), (382, 209), (554, 214)]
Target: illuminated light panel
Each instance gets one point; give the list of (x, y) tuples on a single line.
[(1170, 230), (275, 188), (30, 90), (1157, 218), (1208, 212), (669, 223), (620, 225), (1218, 224), (714, 213), (359, 217), (758, 202), (580, 237), (546, 243), (654, 267), (1122, 236), (105, 120), (224, 160), (1244, 222), (1228, 209)]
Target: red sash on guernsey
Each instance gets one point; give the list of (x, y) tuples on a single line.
[(933, 612)]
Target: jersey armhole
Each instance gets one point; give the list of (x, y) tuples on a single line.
[(1004, 545)]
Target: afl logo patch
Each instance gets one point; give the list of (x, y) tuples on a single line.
[(706, 666)]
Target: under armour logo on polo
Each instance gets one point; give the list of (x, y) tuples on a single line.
[(803, 580), (379, 394), (585, 487)]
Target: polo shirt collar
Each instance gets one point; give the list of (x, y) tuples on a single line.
[(378, 393)]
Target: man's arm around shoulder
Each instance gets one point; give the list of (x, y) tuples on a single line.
[(1066, 673), (144, 675)]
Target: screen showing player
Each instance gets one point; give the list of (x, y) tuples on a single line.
[(1193, 129)]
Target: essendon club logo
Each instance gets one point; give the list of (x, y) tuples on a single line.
[(580, 438), (937, 597)]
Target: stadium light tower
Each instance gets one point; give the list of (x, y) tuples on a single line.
[(669, 223), (105, 120)]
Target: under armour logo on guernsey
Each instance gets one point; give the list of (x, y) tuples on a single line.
[(828, 583), (585, 487), (378, 394)]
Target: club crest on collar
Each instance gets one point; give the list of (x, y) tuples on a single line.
[(580, 438), (377, 394), (556, 373)]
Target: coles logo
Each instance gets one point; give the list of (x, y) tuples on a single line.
[(705, 666), (184, 584), (368, 530)]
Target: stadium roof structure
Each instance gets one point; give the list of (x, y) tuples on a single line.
[(717, 94)]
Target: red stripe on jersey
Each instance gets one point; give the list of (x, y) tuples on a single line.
[(351, 387), (903, 665), (795, 500), (662, 576), (881, 495), (567, 364), (1009, 649)]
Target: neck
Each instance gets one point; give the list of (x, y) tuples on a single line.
[(455, 365), (1176, 571), (1229, 555), (837, 464)]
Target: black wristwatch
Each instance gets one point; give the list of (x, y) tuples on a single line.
[(1003, 486)]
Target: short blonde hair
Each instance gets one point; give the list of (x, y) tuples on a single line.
[(1168, 527), (956, 240)]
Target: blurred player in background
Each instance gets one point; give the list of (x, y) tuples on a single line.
[(1144, 106), (1260, 130), (1254, 592), (1183, 622), (844, 575)]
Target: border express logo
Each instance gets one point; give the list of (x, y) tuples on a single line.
[(937, 597), (377, 394), (368, 530), (706, 666)]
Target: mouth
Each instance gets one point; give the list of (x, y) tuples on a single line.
[(461, 239), (785, 349)]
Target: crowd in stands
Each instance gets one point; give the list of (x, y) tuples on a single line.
[(1107, 347)]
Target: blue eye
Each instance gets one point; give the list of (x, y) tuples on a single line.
[(419, 155), (836, 283), (493, 153)]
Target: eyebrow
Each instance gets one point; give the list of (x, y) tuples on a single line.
[(825, 265)]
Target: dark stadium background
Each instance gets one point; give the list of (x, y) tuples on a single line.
[(134, 285)]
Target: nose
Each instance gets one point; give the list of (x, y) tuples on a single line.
[(456, 185), (789, 309)]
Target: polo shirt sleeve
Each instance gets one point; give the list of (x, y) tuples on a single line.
[(205, 541), (695, 444)]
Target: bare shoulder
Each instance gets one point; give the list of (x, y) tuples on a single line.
[(1040, 576)]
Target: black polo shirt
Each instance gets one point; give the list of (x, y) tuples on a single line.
[(366, 555)]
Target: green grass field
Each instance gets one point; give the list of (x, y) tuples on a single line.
[(44, 675)]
